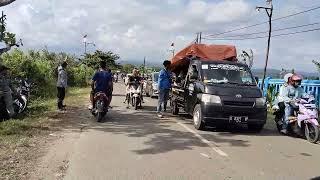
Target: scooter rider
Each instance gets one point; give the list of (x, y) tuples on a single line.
[(282, 92), (290, 95), (6, 90), (101, 82), (135, 79)]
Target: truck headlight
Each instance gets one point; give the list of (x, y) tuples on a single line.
[(208, 98), (261, 102)]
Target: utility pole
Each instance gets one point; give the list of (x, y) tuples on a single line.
[(269, 11), (144, 66), (197, 39), (200, 34), (85, 47), (172, 49), (86, 43)]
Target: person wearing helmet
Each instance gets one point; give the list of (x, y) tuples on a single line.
[(6, 90), (289, 95), (282, 92)]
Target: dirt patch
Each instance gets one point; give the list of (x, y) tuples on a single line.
[(22, 155), (18, 159)]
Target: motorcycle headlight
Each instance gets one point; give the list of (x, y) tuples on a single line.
[(208, 98), (261, 102)]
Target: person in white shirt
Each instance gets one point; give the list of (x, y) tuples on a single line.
[(62, 84)]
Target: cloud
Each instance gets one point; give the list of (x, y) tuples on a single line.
[(138, 28), (228, 11)]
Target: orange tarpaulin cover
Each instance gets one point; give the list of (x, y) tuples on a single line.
[(203, 52)]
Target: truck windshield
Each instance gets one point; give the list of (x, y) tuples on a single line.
[(227, 74)]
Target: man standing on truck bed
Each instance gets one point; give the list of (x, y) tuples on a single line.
[(164, 84)]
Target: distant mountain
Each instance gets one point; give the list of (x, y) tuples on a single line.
[(275, 73), (139, 62)]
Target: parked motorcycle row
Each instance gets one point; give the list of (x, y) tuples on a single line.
[(20, 97)]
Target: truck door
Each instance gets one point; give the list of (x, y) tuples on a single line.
[(191, 88)]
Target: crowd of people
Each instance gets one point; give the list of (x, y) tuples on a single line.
[(102, 81)]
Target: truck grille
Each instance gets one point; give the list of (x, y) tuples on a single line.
[(238, 103)]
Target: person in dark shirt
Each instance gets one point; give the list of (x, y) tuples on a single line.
[(135, 78), (102, 82)]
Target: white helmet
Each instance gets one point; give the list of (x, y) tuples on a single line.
[(287, 76)]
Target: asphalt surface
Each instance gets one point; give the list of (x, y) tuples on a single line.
[(136, 144)]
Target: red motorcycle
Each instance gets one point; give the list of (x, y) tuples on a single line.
[(101, 105)]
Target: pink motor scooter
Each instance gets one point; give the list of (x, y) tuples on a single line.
[(304, 121)]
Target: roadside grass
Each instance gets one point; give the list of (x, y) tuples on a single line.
[(34, 120), (270, 121)]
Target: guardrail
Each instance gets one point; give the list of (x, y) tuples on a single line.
[(309, 86)]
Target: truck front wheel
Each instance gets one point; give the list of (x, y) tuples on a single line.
[(198, 122)]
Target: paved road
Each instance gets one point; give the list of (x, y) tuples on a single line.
[(138, 145)]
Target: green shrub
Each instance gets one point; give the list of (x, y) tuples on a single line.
[(41, 68), (271, 94)]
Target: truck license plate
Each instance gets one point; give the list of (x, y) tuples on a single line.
[(238, 119)]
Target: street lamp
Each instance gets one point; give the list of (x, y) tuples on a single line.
[(87, 43), (171, 49), (269, 11)]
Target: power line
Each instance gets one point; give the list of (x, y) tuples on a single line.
[(260, 37), (258, 24), (263, 32)]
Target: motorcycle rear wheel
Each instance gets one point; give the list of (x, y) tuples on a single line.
[(100, 116), (311, 132), (136, 103)]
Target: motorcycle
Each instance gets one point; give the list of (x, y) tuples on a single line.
[(21, 97), (20, 100), (115, 78), (135, 94), (101, 106), (304, 122)]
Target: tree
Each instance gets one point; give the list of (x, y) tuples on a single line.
[(6, 2), (8, 38), (93, 60), (127, 68)]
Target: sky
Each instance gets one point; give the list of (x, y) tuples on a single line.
[(137, 28)]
